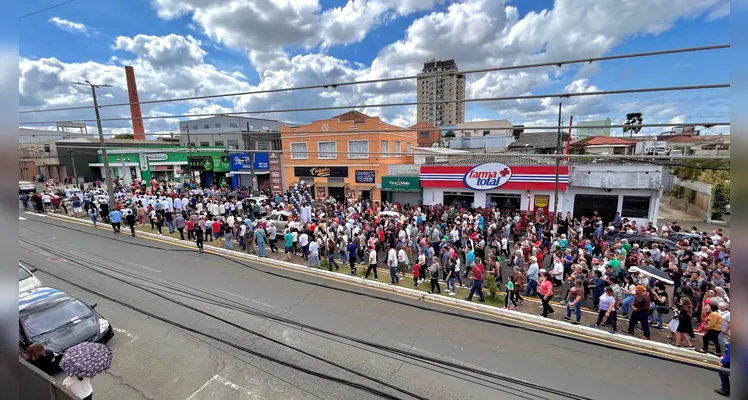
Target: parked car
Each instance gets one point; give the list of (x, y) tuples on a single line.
[(26, 187), (280, 218), (58, 321), (727, 208), (645, 240), (694, 239), (26, 279)]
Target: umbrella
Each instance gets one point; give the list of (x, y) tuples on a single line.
[(653, 272), (86, 359), (233, 194)]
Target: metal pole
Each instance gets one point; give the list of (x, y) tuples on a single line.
[(72, 157), (558, 166), (107, 171)]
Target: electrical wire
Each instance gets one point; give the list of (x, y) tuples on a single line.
[(385, 298), (412, 103), (409, 77), (252, 311), (45, 9)]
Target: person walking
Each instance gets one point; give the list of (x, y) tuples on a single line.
[(372, 262), (180, 223), (351, 248), (199, 235), (724, 375), (332, 250), (576, 297), (130, 220), (261, 241), (519, 284), (288, 248), (92, 213), (684, 330), (532, 277), (169, 218), (392, 264), (116, 217), (314, 254), (545, 291), (190, 226), (607, 303), (713, 329), (272, 235), (434, 275), (640, 307), (509, 296), (158, 219), (476, 279), (227, 233)]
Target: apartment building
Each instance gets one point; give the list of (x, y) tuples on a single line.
[(345, 156), (441, 81), (230, 132)]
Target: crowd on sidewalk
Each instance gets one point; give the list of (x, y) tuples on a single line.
[(680, 285)]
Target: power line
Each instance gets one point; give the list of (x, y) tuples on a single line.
[(401, 78), (46, 9), (415, 103), (353, 132)]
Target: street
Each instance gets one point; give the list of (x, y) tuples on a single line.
[(207, 358)]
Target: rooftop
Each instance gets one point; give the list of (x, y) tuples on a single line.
[(423, 126), (604, 141), (507, 158), (355, 116)]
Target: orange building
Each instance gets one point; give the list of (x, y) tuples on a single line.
[(344, 156), (427, 134)]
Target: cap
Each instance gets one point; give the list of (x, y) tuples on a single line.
[(633, 270)]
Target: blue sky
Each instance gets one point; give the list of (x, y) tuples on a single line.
[(189, 47)]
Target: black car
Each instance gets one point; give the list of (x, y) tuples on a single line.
[(58, 320), (694, 239), (646, 240)]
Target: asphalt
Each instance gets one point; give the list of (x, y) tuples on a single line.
[(156, 360)]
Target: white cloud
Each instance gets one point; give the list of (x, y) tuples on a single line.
[(70, 26), (163, 51)]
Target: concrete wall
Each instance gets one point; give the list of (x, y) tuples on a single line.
[(403, 170), (614, 176), (702, 206)]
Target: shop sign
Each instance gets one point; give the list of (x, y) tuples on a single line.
[(321, 172), (367, 176), (143, 162), (541, 201), (487, 176), (157, 156), (401, 183), (200, 163)]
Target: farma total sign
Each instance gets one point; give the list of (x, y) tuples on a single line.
[(487, 176)]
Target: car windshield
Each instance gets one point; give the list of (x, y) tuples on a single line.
[(48, 319), (23, 274)]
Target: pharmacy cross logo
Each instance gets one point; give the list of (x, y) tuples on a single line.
[(487, 176)]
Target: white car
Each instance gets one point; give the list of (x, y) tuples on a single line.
[(26, 279), (280, 218), (26, 187)]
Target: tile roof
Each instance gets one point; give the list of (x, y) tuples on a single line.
[(354, 116), (423, 125), (604, 141), (508, 159)]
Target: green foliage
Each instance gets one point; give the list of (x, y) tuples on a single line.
[(706, 171), (676, 191), (449, 134), (720, 199), (690, 195), (124, 136), (491, 285), (633, 119)]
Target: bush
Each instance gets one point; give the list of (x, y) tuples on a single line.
[(491, 285), (676, 191), (720, 199)]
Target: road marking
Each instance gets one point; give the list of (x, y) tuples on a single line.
[(192, 396), (142, 266), (22, 218), (126, 333), (500, 317), (37, 214), (247, 299)]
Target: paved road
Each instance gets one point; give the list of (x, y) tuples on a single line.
[(155, 360)]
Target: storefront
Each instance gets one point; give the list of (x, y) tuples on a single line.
[(520, 188), (166, 166), (242, 171), (401, 189), (340, 182)]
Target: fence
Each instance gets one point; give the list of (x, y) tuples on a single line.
[(695, 198), (36, 385)]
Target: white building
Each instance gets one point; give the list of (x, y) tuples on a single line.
[(483, 128), (224, 131)]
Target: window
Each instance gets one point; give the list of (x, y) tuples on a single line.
[(409, 147), (358, 149), (635, 207), (47, 148), (326, 150), (206, 126), (218, 125), (385, 148), (233, 125), (250, 127), (204, 144), (264, 145), (423, 134), (190, 144), (398, 149), (486, 133), (219, 143), (266, 129), (233, 144), (194, 127), (298, 151)]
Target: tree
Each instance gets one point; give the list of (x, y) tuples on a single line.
[(124, 136), (449, 134), (633, 119)]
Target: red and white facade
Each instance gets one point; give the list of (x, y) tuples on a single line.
[(521, 188)]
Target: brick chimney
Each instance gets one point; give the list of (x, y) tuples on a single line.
[(132, 91)]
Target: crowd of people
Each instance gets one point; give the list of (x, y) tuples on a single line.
[(577, 261)]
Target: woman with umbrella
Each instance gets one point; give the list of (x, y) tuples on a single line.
[(82, 362)]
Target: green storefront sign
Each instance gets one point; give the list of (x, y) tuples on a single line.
[(401, 183), (211, 161)]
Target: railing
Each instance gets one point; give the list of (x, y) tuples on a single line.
[(34, 384)]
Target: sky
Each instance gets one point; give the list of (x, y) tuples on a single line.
[(183, 48)]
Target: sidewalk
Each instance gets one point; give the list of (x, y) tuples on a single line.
[(526, 312)]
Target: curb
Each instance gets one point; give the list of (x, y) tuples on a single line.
[(500, 312)]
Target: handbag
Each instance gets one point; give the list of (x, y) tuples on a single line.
[(663, 309)]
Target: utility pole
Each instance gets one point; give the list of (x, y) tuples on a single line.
[(107, 171), (72, 157), (558, 166)]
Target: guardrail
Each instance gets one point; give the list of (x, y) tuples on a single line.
[(36, 385)]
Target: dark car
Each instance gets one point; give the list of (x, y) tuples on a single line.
[(646, 240), (58, 320), (694, 239)]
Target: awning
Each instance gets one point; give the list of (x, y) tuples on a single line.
[(330, 184), (362, 187)]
